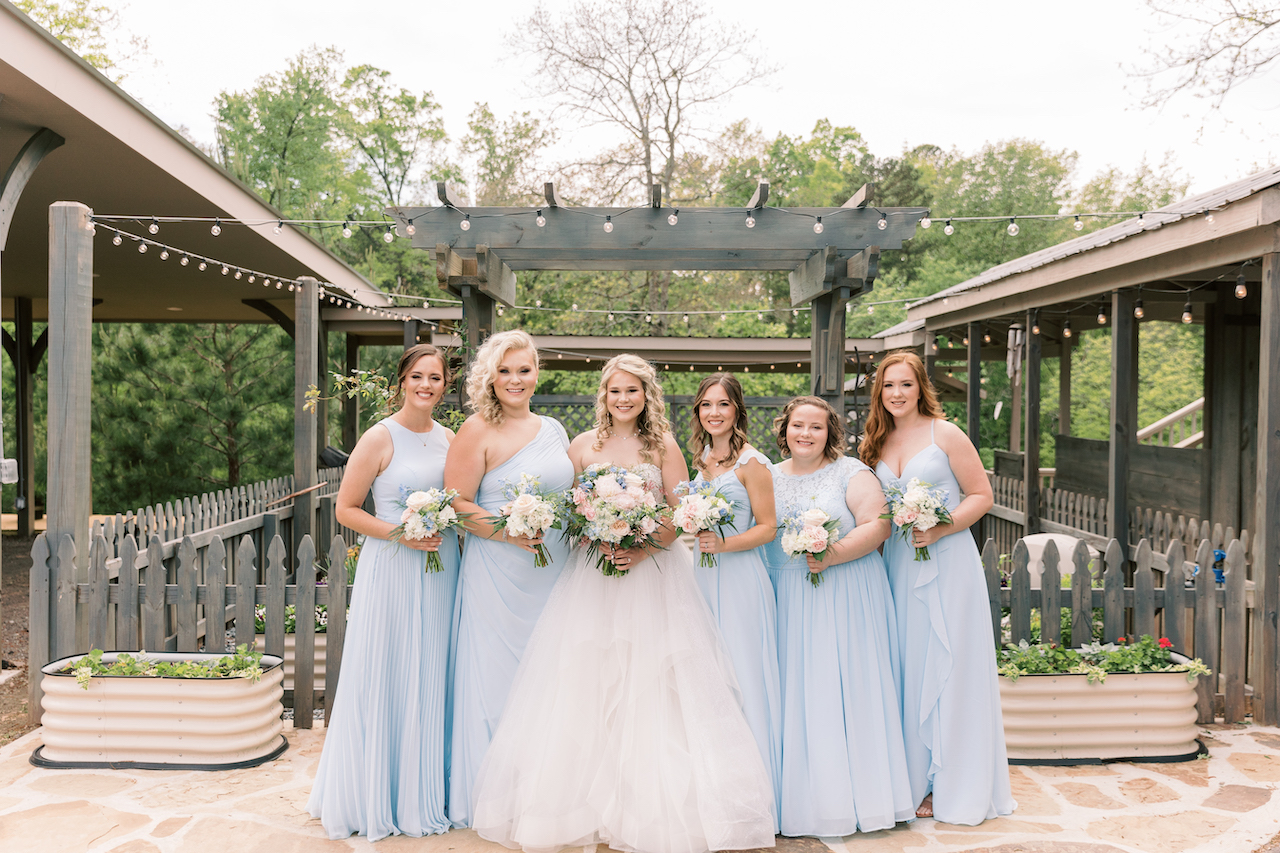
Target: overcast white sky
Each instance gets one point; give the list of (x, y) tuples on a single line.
[(955, 74)]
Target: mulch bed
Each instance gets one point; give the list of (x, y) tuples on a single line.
[(15, 560)]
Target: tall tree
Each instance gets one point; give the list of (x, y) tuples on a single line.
[(505, 156), (652, 69), (90, 29)]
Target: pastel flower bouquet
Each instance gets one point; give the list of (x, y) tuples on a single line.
[(612, 508), (809, 532), (702, 507), (530, 511), (917, 506), (426, 513)]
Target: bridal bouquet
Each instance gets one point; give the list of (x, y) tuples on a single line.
[(702, 507), (426, 514), (612, 508), (530, 511), (918, 506), (809, 532)]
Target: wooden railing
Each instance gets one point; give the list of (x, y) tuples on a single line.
[(186, 596), (1214, 621), (1183, 428)]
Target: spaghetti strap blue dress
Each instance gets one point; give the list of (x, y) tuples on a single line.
[(382, 771), (500, 597), (843, 765), (950, 696), (741, 598)]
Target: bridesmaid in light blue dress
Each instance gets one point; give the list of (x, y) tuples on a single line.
[(950, 694), (500, 592), (382, 771), (737, 587), (844, 769)]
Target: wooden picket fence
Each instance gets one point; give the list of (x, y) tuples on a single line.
[(1161, 594), (185, 596)]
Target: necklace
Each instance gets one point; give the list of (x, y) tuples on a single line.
[(627, 437)]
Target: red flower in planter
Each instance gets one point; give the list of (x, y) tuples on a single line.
[(1120, 639), (1166, 643)]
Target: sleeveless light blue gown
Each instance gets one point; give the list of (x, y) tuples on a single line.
[(843, 765), (741, 598), (382, 771), (500, 597), (950, 694)]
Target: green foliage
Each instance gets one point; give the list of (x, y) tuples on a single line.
[(243, 664), (1094, 660), (86, 27)]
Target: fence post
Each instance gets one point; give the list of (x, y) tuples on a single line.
[(37, 626), (1144, 592), (188, 595), (1020, 595), (1206, 639), (1081, 596), (304, 646), (306, 374), (1234, 635), (336, 626), (991, 570), (1050, 596), (1175, 602), (246, 591)]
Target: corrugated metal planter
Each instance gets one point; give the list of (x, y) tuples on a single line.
[(161, 723), (290, 657), (1063, 719)]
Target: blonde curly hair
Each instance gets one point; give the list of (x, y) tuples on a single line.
[(484, 368), (652, 424)]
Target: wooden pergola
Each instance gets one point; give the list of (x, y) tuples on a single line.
[(1213, 259), (830, 254)]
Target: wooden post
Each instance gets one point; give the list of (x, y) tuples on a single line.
[(1224, 410), (1064, 385), (826, 346), (322, 382), (1124, 415), (1015, 396), (975, 383), (1031, 443), (412, 328), (1266, 521), (70, 386), (306, 345), (480, 313), (27, 358), (351, 405)]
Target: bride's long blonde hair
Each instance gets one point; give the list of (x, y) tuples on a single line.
[(652, 424)]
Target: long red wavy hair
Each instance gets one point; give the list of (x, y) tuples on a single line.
[(879, 422)]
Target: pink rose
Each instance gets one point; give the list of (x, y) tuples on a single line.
[(648, 525), (589, 512), (619, 528)]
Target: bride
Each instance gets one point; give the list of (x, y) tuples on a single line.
[(626, 726)]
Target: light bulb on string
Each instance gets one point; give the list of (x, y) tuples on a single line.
[(608, 225), (537, 303), (948, 229), (883, 223), (751, 220), (724, 317), (185, 260), (926, 223), (818, 227), (575, 306), (986, 337), (686, 318), (1078, 225), (1102, 315), (1187, 316), (610, 316), (279, 227), (410, 229), (225, 269), (465, 224), (388, 236), (426, 304), (252, 278), (346, 229), (91, 227), (1013, 229), (291, 288), (1066, 328), (541, 220), (117, 240), (964, 341), (154, 227), (217, 227), (1208, 216), (1138, 311), (202, 266), (1035, 323), (239, 274), (164, 254), (1242, 289), (673, 217), (759, 315), (142, 248)]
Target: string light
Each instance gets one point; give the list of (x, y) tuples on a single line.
[(410, 229), (164, 254), (1102, 315), (1208, 216), (965, 340), (986, 337), (1138, 312), (1066, 328), (1013, 229), (279, 227), (674, 217), (239, 274), (883, 223), (948, 229), (608, 225), (1186, 313), (142, 248), (225, 269), (541, 220), (1078, 225), (346, 230), (1241, 289), (117, 240), (818, 226), (751, 220), (154, 227), (202, 266), (465, 224), (926, 223), (388, 235), (217, 228), (185, 260)]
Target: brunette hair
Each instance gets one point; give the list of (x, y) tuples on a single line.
[(699, 440), (879, 422), (484, 368), (651, 424), (407, 360), (835, 426)]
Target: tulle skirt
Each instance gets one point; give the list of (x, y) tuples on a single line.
[(624, 724)]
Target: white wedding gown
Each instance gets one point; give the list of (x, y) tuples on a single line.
[(624, 724)]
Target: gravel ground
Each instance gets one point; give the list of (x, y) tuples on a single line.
[(16, 563)]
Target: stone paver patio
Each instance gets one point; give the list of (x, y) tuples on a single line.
[(1223, 804)]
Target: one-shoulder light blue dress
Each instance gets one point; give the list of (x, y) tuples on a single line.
[(844, 769), (500, 597), (382, 771), (950, 693), (741, 597)]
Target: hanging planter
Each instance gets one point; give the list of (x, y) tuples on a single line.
[(1094, 715), (171, 712)]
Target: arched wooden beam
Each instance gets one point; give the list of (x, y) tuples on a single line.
[(20, 171)]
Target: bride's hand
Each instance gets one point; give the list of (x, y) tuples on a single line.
[(523, 542), (625, 558)]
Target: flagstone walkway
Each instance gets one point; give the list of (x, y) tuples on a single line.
[(1223, 804)]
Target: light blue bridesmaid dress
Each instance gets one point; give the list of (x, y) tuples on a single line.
[(500, 596), (741, 598), (950, 694), (843, 765), (382, 771)]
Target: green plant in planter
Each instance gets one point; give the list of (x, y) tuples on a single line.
[(243, 664), (1095, 660), (290, 618)]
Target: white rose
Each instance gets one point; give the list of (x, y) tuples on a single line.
[(607, 487), (446, 516), (648, 525), (523, 503), (417, 500), (814, 517), (634, 481)]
